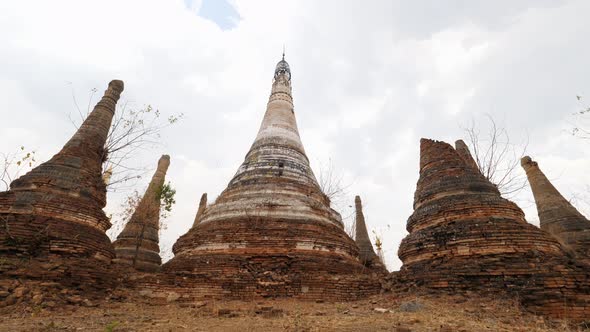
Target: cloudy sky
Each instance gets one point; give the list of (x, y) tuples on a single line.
[(370, 78)]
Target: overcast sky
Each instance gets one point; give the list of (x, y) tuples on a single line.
[(370, 78)]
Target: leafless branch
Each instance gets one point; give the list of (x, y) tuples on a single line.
[(132, 130), (580, 123), (331, 183), (497, 157), (12, 165)]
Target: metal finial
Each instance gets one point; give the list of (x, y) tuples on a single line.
[(283, 51)]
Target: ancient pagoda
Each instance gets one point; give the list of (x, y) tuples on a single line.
[(272, 231), (54, 212), (201, 209), (138, 243), (465, 236), (556, 214), (366, 252)]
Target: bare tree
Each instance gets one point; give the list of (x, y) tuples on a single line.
[(333, 186), (331, 182), (580, 128), (497, 156), (132, 130), (12, 165)]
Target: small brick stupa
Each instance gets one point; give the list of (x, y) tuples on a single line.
[(201, 209), (465, 236), (556, 214), (138, 243), (366, 252), (54, 212), (272, 232)]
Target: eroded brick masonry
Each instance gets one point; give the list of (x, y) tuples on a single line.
[(52, 217), (465, 236), (272, 231)]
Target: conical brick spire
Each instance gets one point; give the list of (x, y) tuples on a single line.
[(272, 231), (465, 154), (56, 208), (556, 214), (201, 210), (465, 236), (366, 252), (138, 243), (76, 170)]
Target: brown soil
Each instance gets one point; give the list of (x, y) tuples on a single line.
[(411, 313)]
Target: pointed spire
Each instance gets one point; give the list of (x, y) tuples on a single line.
[(202, 207), (138, 243), (361, 238), (278, 129), (61, 202), (556, 214), (272, 217), (77, 168), (465, 154), (464, 235), (283, 75)]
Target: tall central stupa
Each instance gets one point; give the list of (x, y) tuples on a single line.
[(272, 231)]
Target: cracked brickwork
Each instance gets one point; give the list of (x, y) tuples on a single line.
[(366, 252), (201, 209), (464, 236), (557, 215), (138, 243), (54, 212), (272, 232)]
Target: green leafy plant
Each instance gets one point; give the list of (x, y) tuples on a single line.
[(111, 326), (166, 196)]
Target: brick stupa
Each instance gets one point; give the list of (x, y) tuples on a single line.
[(54, 212), (557, 215), (271, 232), (201, 209), (366, 252), (138, 243), (465, 236)]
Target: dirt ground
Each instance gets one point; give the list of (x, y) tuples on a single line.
[(381, 313)]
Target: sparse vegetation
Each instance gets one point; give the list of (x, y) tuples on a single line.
[(111, 326), (133, 129), (497, 156), (14, 164), (166, 196), (581, 121)]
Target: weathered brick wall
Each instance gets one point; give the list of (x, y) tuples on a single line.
[(464, 236), (138, 243), (272, 231), (254, 274), (201, 209), (366, 253), (54, 212), (557, 215)]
